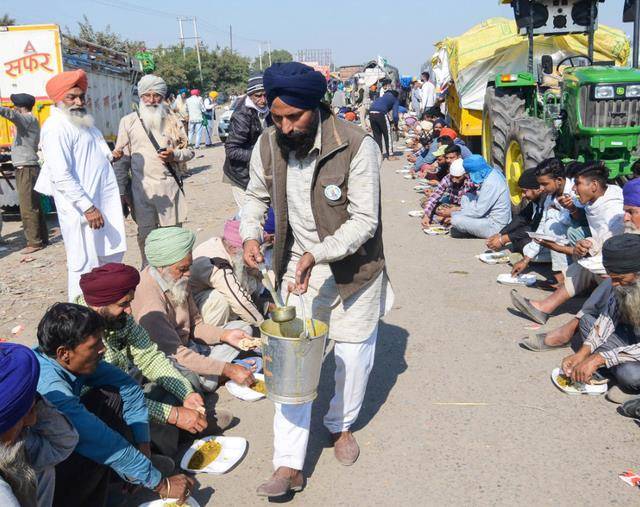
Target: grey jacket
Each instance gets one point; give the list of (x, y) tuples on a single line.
[(24, 150)]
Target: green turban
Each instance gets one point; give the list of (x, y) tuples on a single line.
[(168, 245)]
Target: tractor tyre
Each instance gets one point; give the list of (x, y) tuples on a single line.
[(529, 141), (501, 108)]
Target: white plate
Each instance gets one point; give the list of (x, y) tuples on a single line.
[(436, 230), (506, 279), (232, 452), (243, 392), (161, 503), (578, 388), (493, 257), (555, 239)]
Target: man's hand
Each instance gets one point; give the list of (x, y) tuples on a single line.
[(411, 158), (251, 253), (583, 371), (426, 221), (566, 201), (570, 362), (180, 487), (494, 242), (193, 401), (145, 448), (233, 337), (519, 267), (166, 155), (303, 274), (444, 211), (94, 217), (116, 154), (188, 419), (582, 248), (239, 374)]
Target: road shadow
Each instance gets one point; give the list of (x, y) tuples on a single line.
[(197, 170), (388, 365)]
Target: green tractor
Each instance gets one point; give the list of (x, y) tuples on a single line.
[(577, 109)]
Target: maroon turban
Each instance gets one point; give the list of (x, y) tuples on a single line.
[(108, 284)]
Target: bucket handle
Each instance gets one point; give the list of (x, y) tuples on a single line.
[(304, 317)]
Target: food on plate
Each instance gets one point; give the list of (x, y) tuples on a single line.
[(249, 343), (175, 504), (204, 455), (259, 386), (563, 380)]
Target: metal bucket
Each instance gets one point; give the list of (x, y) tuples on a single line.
[(291, 361)]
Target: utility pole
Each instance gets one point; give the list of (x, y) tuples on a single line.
[(260, 54), (195, 33), (269, 50), (181, 37), (231, 38)]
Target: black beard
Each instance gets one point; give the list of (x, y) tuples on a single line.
[(298, 143)]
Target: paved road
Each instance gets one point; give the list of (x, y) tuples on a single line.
[(450, 339)]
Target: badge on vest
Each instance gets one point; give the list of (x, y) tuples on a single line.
[(332, 192)]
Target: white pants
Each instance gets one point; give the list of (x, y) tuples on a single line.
[(291, 422), (73, 277)]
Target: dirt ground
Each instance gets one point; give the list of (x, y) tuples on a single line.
[(455, 413)]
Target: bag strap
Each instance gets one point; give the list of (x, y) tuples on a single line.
[(157, 147)]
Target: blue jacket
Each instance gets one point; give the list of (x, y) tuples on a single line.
[(97, 441), (388, 102)]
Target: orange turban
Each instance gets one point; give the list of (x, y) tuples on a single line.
[(60, 84)]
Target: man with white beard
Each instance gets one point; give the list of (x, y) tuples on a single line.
[(612, 340), (153, 144), (223, 286), (164, 306), (77, 172)]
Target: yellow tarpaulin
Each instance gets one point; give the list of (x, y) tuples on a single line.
[(494, 36)]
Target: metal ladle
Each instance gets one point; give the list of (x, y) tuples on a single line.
[(282, 312)]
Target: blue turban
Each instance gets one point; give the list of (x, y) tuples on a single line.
[(183, 90), (295, 83), (19, 373), (270, 222), (631, 193), (477, 168)]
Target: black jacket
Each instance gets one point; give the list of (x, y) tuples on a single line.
[(244, 130), (525, 221)]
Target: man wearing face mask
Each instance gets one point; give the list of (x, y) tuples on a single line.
[(153, 145), (322, 177), (248, 121)]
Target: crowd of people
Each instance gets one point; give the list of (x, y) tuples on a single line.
[(123, 371)]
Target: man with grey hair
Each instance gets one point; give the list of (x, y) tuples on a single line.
[(612, 340), (153, 144)]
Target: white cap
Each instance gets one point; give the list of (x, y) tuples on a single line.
[(456, 168)]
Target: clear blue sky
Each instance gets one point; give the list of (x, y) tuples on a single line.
[(355, 30)]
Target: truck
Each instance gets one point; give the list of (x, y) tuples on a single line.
[(31, 54), (577, 108)]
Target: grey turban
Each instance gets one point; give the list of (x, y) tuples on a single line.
[(151, 83)]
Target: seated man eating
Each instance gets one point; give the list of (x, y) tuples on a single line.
[(485, 212), (515, 232), (223, 286), (173, 405), (164, 306), (603, 207), (447, 195), (111, 419), (561, 336), (612, 340)]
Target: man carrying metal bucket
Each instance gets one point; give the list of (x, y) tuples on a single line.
[(322, 177)]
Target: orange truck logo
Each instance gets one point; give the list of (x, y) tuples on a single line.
[(30, 62)]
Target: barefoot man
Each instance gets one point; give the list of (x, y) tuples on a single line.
[(322, 177)]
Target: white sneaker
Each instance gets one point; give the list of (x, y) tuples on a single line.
[(416, 213)]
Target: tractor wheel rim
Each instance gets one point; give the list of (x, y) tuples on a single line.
[(513, 168)]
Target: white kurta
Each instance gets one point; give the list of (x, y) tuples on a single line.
[(77, 172)]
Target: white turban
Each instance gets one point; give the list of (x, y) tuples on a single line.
[(151, 83), (456, 168)]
